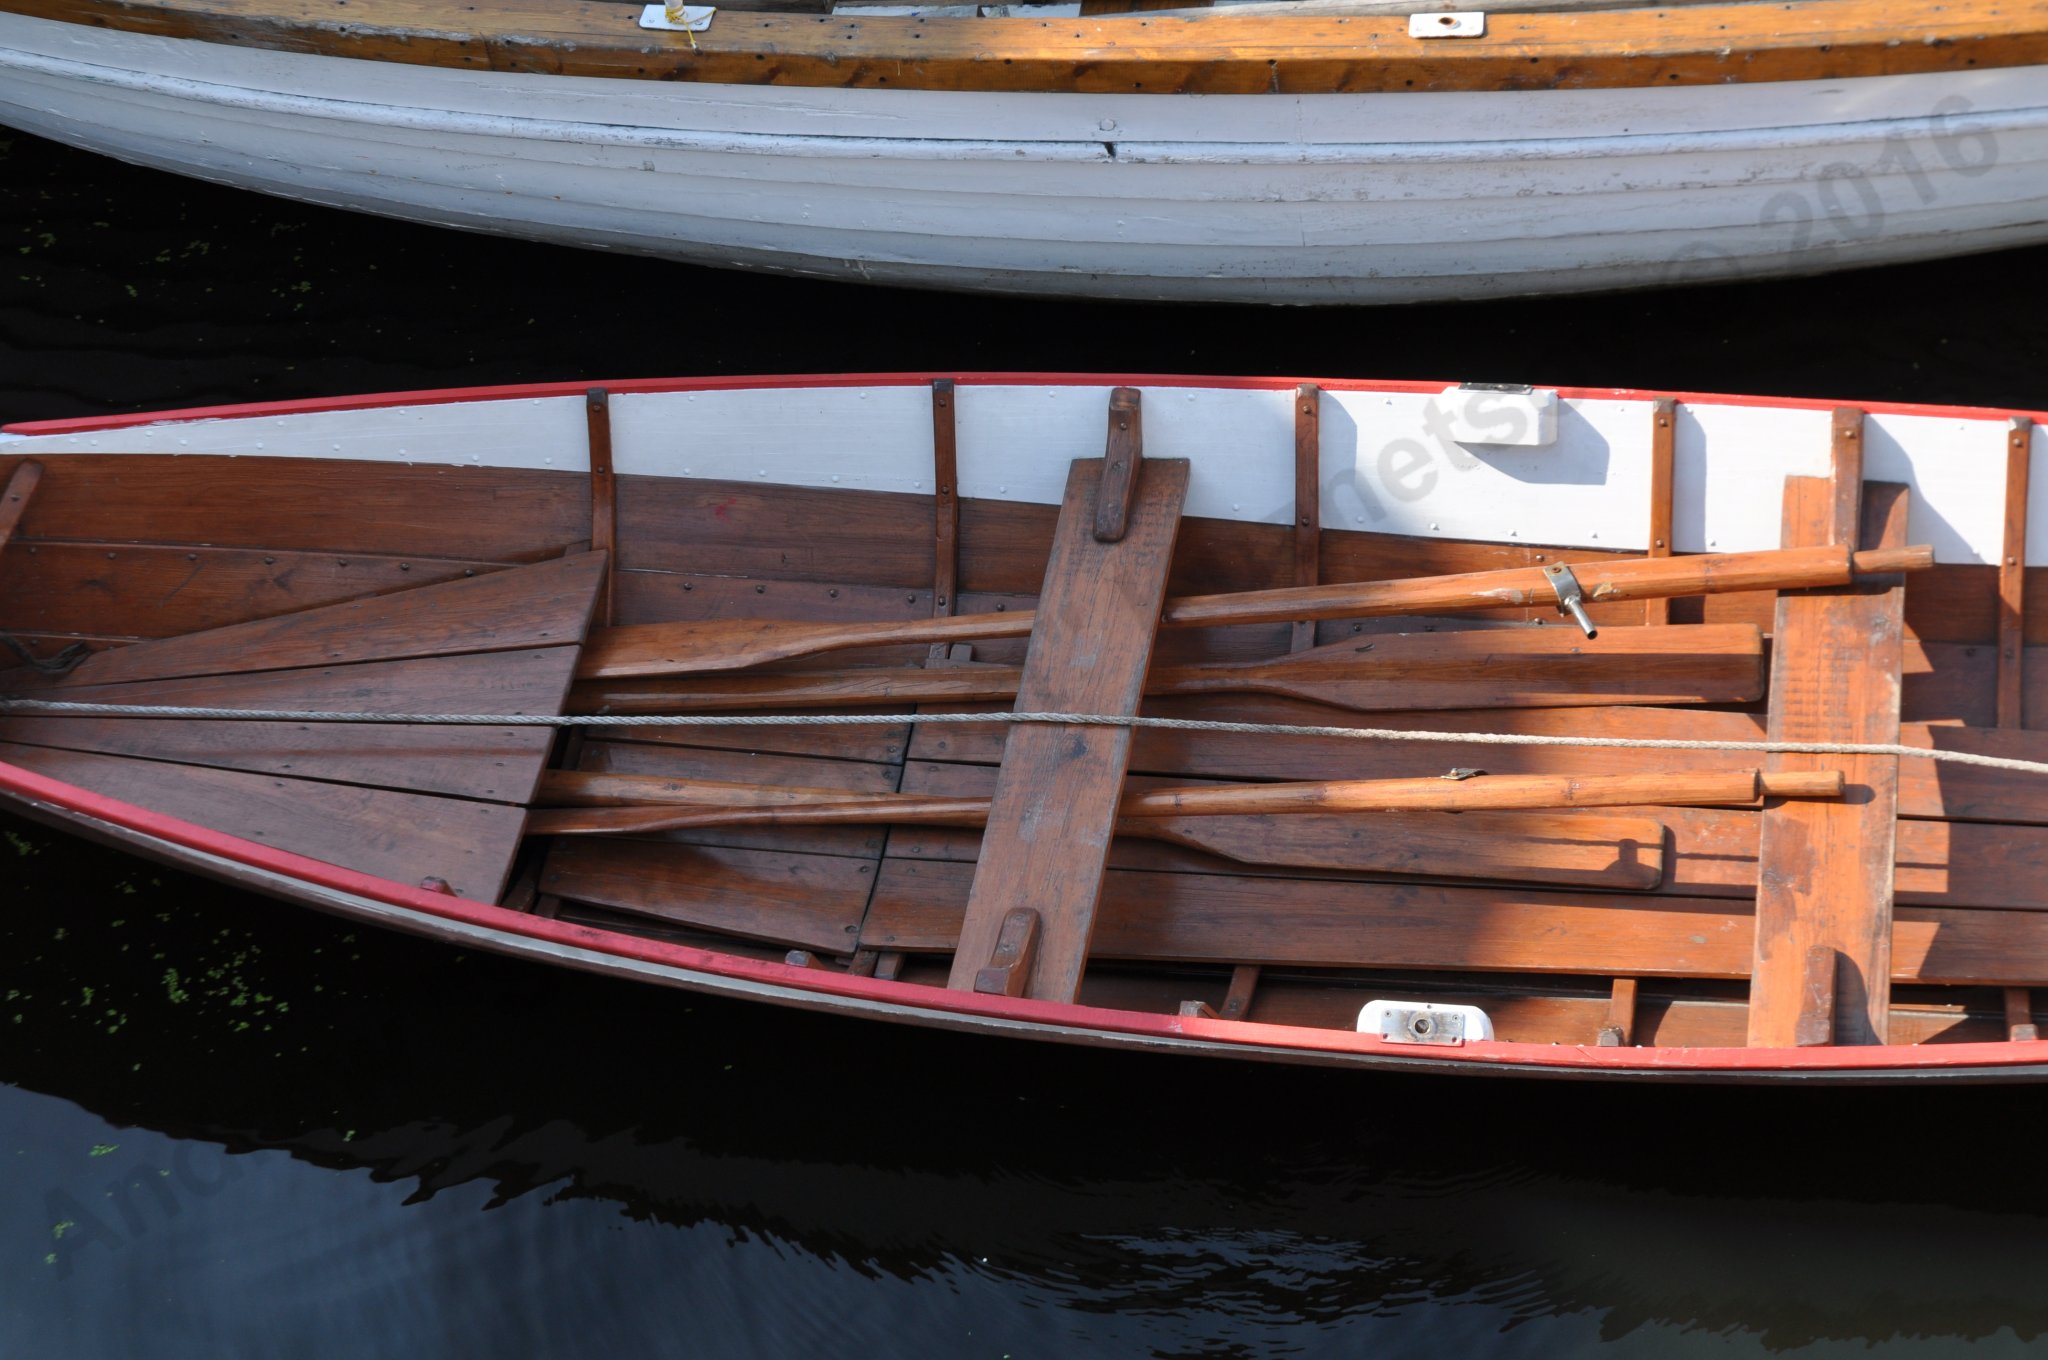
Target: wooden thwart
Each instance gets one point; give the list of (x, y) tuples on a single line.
[(1055, 803), (1825, 871)]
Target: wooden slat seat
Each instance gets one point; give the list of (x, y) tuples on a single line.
[(403, 801)]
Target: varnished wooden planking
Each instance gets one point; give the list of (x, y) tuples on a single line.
[(404, 837), (1054, 806), (1277, 921), (1209, 53), (144, 591), (312, 505), (1825, 879), (544, 605), (805, 901), (523, 682), (495, 763)]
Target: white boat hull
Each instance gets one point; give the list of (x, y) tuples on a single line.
[(1274, 198)]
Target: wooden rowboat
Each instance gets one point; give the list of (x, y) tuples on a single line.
[(1390, 725), (1322, 151)]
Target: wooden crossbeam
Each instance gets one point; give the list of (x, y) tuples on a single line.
[(1054, 807), (1825, 873)]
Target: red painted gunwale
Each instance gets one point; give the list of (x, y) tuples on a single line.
[(1047, 1017), (517, 391)]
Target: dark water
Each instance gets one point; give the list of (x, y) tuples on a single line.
[(235, 1128)]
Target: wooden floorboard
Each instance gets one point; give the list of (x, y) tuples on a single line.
[(1193, 918), (803, 901), (404, 837), (498, 764)]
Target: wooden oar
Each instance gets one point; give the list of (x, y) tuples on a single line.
[(615, 803), (1490, 668), (1586, 850), (733, 644)]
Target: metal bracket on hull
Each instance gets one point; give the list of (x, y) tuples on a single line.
[(1465, 24), (678, 18)]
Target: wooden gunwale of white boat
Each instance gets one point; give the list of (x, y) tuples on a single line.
[(1226, 157), (290, 543)]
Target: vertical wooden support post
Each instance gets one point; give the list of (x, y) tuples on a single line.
[(1824, 882), (2012, 576), (945, 504), (2012, 644), (1308, 497), (1663, 437), (604, 503), (1054, 808)]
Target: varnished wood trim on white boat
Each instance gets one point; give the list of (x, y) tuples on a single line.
[(1212, 53)]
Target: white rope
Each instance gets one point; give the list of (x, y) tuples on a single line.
[(1819, 748)]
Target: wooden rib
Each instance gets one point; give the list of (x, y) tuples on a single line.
[(1211, 53), (1663, 439), (1825, 872), (604, 495), (1845, 480), (2019, 1015), (1050, 820), (1620, 1029), (542, 605), (1536, 667), (399, 836), (1231, 920), (2011, 703), (945, 501), (1308, 514), (21, 484), (2012, 575), (667, 649)]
